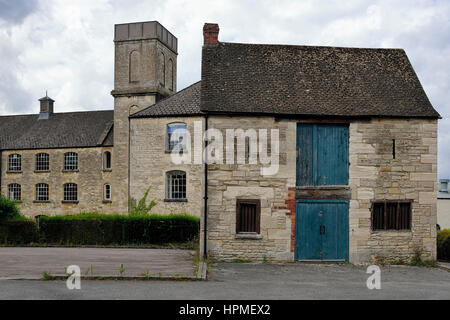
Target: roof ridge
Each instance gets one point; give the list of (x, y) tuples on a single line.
[(309, 46), (68, 112)]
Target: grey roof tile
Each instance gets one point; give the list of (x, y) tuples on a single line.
[(185, 102), (311, 80), (61, 130)]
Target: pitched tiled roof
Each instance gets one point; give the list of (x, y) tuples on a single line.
[(310, 80), (183, 103), (61, 130)]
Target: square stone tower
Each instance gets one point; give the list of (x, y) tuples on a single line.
[(144, 72)]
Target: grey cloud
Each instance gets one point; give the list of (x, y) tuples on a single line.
[(15, 11)]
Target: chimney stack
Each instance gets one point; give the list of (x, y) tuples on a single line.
[(210, 34), (46, 107)]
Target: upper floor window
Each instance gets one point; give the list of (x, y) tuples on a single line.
[(42, 192), (107, 160), (14, 192), (70, 161), (15, 162), (176, 185), (107, 192), (42, 162), (176, 136), (70, 192)]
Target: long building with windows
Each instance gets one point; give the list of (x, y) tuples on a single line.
[(351, 131)]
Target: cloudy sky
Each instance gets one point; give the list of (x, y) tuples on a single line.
[(66, 47)]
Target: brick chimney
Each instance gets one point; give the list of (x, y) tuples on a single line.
[(46, 107), (210, 34)]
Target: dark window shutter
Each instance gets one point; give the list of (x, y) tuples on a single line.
[(248, 214)]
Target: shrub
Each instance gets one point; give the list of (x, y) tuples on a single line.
[(18, 231), (104, 229), (443, 244), (141, 209), (8, 209)]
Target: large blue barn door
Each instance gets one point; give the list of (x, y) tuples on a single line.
[(321, 230), (322, 154), (321, 226)]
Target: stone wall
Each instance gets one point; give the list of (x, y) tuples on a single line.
[(90, 179), (226, 183), (375, 175), (149, 163)]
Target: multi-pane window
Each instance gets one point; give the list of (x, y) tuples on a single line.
[(248, 214), (42, 192), (107, 192), (176, 185), (107, 160), (15, 162), (391, 215), (42, 162), (176, 137), (70, 161), (70, 192), (14, 192)]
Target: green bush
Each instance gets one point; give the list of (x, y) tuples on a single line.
[(8, 209), (443, 244), (104, 229), (18, 231)]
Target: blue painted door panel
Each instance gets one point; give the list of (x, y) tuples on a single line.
[(321, 231), (322, 154)]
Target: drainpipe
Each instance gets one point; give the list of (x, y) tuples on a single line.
[(205, 197)]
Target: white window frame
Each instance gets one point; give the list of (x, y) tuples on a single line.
[(42, 192), (181, 144), (70, 156), (14, 162), (175, 189), (105, 192), (68, 192), (15, 192)]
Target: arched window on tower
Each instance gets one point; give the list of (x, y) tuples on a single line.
[(170, 74), (162, 70), (134, 66)]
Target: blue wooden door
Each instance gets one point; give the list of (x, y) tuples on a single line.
[(322, 154), (321, 230)]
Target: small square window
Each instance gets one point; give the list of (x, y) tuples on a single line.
[(248, 213), (391, 215)]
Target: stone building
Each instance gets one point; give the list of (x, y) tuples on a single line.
[(284, 152), (443, 205)]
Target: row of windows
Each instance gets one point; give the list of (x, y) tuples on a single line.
[(70, 192), (386, 215), (176, 189), (43, 162)]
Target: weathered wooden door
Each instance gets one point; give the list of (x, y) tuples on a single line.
[(321, 225), (321, 230), (322, 154)]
